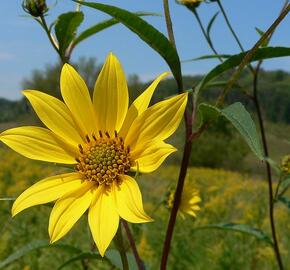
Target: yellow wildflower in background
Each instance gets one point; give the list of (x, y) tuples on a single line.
[(104, 140), (285, 164), (189, 201)]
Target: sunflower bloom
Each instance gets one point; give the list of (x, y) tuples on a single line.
[(189, 201), (104, 140)]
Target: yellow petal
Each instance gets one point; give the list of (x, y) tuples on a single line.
[(68, 210), (103, 219), (129, 201), (46, 190), (151, 156), (77, 97), (157, 122), (38, 143), (55, 115), (111, 96), (140, 104)]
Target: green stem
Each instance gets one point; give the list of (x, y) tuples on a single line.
[(268, 170), (139, 262), (229, 25), (207, 38), (121, 248), (168, 22), (52, 41), (250, 54)]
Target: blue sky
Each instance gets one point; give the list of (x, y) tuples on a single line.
[(24, 47)]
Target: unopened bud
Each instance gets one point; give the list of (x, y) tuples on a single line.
[(285, 164), (35, 8), (191, 4)]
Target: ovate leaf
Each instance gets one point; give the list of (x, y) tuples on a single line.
[(239, 118), (243, 122), (115, 259), (102, 26), (66, 27), (235, 60), (242, 228), (34, 246), (150, 35), (284, 200), (285, 184), (80, 257), (207, 113)]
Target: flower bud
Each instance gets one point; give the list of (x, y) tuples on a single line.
[(285, 164), (35, 8), (191, 4)]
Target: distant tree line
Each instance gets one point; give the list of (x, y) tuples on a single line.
[(274, 89), (218, 147)]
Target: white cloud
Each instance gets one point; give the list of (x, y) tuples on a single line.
[(6, 56)]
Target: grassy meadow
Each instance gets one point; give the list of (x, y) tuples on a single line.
[(227, 197)]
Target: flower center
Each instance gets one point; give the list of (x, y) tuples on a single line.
[(103, 159)]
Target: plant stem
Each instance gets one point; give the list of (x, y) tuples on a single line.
[(121, 248), (188, 118), (168, 22), (204, 33), (229, 25), (52, 41), (250, 54), (177, 199), (268, 168), (139, 262)]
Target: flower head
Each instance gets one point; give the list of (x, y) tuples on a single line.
[(189, 201), (104, 140), (285, 164), (35, 8), (191, 4)]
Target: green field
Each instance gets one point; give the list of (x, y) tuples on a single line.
[(227, 197)]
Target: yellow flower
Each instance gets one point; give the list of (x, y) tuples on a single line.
[(190, 2), (189, 201), (104, 140), (285, 164)]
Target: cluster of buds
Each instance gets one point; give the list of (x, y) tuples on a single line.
[(35, 8), (285, 164)]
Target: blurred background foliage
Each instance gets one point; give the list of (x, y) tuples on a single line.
[(220, 146), (191, 248), (215, 155)]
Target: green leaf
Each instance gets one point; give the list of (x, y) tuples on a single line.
[(242, 228), (150, 35), (209, 56), (66, 27), (115, 259), (261, 33), (102, 26), (284, 184), (34, 246), (284, 200), (207, 113), (239, 118), (243, 122), (273, 165), (210, 24), (80, 257), (221, 84), (235, 60)]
